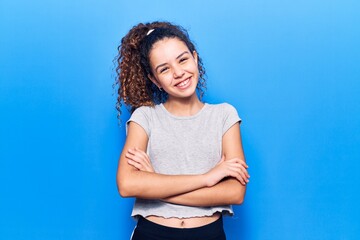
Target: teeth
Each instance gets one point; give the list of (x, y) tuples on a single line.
[(183, 83)]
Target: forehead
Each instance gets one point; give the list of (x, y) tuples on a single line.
[(167, 49)]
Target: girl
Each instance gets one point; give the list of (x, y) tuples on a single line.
[(183, 159)]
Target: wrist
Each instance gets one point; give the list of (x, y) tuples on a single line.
[(206, 180)]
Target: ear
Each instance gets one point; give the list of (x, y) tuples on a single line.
[(154, 81), (195, 56)]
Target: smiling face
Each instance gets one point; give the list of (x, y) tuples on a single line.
[(174, 68)]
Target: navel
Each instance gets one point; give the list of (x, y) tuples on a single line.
[(182, 223)]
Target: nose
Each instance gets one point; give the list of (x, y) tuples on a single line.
[(178, 72)]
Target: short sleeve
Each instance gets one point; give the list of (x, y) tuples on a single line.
[(141, 117), (230, 117)]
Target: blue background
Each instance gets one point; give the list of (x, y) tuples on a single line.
[(291, 68)]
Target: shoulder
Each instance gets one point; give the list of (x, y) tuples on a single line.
[(143, 116), (143, 109), (146, 111), (226, 113), (222, 107)]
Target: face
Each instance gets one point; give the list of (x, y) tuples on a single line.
[(174, 68)]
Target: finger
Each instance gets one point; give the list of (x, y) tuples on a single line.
[(142, 153), (239, 174), (244, 170), (244, 163), (135, 158), (236, 165), (237, 170), (144, 158), (140, 165), (240, 165), (147, 166), (135, 164), (240, 178), (129, 155), (135, 151), (131, 152), (246, 173), (239, 160)]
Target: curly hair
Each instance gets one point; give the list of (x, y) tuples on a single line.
[(133, 65)]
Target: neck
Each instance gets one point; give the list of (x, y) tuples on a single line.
[(184, 107)]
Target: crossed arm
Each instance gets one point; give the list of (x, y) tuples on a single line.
[(224, 184)]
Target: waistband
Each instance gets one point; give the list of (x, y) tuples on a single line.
[(204, 232)]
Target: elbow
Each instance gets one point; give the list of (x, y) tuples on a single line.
[(123, 188), (239, 195), (239, 199), (123, 192)]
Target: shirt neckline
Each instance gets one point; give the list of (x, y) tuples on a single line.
[(183, 117)]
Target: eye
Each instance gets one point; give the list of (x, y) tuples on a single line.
[(163, 69), (183, 59)]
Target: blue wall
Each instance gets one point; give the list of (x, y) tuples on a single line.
[(292, 69)]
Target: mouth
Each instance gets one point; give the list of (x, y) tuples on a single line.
[(184, 84)]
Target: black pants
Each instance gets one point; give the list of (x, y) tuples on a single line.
[(147, 230)]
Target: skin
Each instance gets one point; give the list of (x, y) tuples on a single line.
[(174, 69)]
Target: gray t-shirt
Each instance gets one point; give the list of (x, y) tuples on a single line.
[(183, 145)]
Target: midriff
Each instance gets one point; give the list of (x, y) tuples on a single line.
[(184, 222)]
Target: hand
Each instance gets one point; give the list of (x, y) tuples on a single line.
[(139, 159), (235, 167)]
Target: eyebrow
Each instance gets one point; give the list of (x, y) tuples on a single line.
[(183, 53)]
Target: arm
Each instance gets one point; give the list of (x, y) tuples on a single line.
[(228, 191), (225, 192), (133, 182)]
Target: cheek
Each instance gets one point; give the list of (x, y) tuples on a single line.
[(165, 78), (194, 66), (195, 69)]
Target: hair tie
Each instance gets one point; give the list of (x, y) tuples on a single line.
[(150, 31)]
